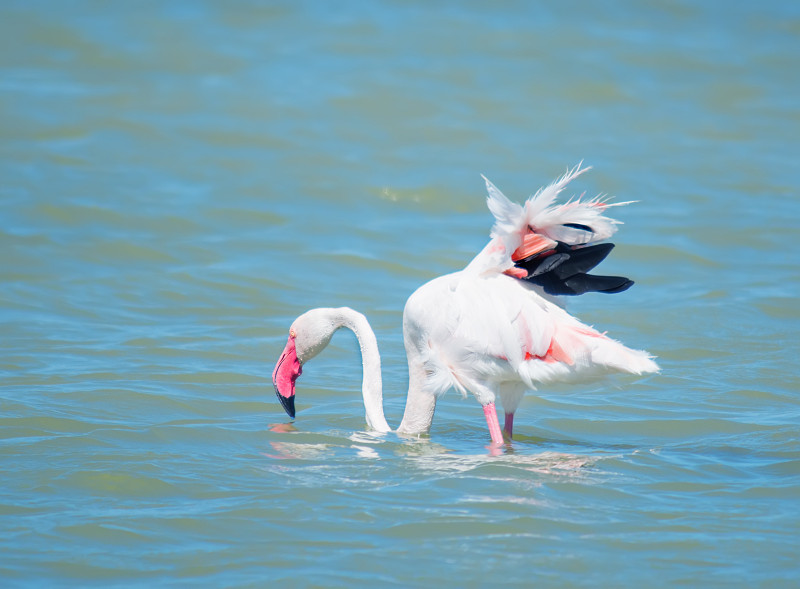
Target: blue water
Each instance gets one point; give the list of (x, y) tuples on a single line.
[(179, 180)]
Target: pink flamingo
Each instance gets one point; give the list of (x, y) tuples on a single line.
[(494, 329)]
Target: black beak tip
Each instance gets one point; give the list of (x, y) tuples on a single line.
[(286, 402)]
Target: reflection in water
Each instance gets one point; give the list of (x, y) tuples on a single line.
[(366, 452), (433, 458), (282, 428), (290, 450), (548, 463), (368, 437)]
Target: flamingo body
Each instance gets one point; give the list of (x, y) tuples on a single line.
[(496, 337), (490, 329)]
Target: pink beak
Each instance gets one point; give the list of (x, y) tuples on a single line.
[(285, 374), (532, 244)]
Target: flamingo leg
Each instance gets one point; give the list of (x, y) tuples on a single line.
[(508, 426), (494, 425)]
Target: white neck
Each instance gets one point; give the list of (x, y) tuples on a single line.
[(320, 324), (372, 385)]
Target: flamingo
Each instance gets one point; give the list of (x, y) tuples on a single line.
[(494, 329)]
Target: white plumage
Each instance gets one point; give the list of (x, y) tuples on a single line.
[(482, 330), (496, 337), (547, 218)]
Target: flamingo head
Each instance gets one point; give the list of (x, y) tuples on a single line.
[(308, 336)]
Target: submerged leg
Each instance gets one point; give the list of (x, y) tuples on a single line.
[(494, 425), (508, 426)]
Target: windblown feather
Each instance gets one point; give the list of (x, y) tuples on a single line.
[(509, 216), (560, 222), (539, 241)]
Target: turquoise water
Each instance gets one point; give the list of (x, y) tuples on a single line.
[(179, 180)]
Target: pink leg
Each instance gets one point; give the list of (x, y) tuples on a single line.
[(494, 425), (508, 426)]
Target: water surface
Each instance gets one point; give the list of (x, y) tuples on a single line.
[(180, 180)]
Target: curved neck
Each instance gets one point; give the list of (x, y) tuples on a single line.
[(372, 385)]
